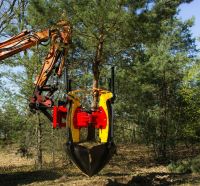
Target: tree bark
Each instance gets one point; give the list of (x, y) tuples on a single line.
[(39, 144), (96, 74), (96, 71), (53, 148)]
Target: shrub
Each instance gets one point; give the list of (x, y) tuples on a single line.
[(195, 165), (183, 166)]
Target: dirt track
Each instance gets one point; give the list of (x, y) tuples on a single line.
[(131, 166)]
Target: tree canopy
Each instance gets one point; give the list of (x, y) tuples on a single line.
[(154, 52)]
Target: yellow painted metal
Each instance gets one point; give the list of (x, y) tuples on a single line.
[(75, 104), (104, 97)]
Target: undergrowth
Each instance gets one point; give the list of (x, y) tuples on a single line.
[(186, 165)]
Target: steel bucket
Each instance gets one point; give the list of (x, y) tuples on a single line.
[(91, 161)]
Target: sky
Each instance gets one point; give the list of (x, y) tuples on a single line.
[(192, 10)]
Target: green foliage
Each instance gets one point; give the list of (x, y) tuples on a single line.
[(11, 122), (195, 167), (185, 166), (157, 80), (180, 166), (123, 25)]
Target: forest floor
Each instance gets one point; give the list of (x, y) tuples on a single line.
[(132, 165)]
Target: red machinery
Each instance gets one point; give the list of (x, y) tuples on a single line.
[(70, 114)]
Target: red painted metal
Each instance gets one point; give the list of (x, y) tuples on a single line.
[(81, 118), (59, 116), (40, 101), (98, 118)]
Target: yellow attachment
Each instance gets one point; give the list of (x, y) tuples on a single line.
[(104, 97), (75, 104)]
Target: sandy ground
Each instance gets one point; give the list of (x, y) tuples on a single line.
[(10, 158), (131, 166)]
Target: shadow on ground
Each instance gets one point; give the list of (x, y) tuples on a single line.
[(20, 178), (156, 179), (148, 179)]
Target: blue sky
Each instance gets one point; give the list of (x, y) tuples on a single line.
[(192, 10)]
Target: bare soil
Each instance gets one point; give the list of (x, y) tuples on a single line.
[(132, 165)]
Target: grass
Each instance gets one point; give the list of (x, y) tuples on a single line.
[(133, 165)]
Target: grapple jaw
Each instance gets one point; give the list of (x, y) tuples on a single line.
[(91, 161), (99, 124)]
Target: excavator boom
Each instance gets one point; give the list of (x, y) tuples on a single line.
[(22, 42), (60, 38)]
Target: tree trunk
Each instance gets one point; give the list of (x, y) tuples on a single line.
[(133, 137), (163, 123), (53, 148), (96, 73), (39, 143)]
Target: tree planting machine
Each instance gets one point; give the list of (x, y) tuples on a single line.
[(90, 155)]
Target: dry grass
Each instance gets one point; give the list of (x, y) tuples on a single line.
[(133, 165), (9, 157)]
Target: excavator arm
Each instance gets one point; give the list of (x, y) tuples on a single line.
[(60, 38), (21, 42)]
